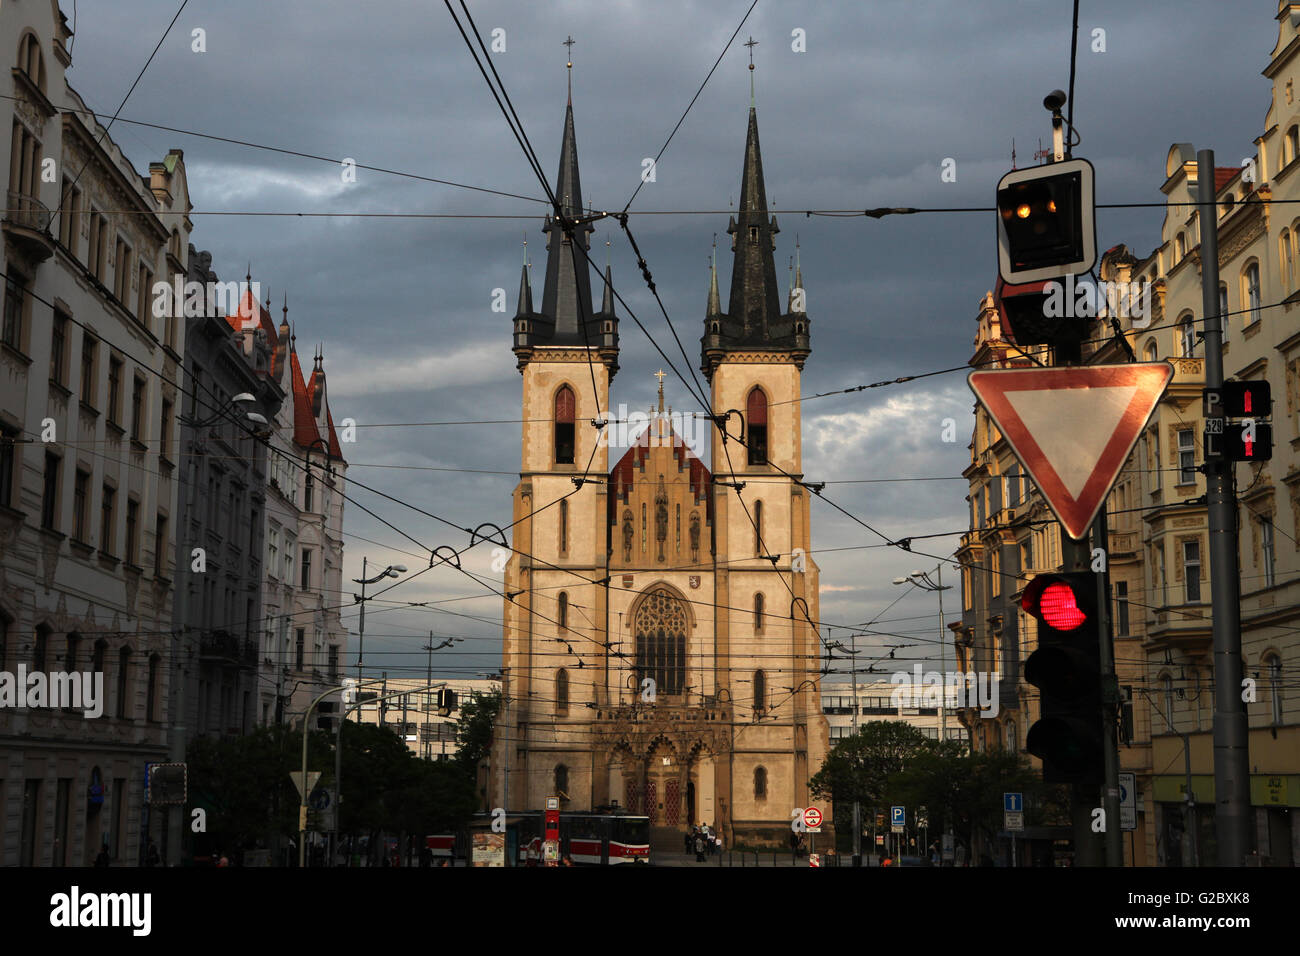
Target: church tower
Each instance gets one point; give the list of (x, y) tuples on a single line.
[(753, 357), (554, 615), (658, 651)]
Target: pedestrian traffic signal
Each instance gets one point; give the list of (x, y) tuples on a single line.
[(1248, 441), (1046, 222), (1246, 399), (1066, 669)]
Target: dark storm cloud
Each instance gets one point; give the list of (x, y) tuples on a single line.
[(885, 92)]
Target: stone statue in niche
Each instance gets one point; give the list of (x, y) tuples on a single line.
[(628, 533)]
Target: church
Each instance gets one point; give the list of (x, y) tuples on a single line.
[(659, 651)]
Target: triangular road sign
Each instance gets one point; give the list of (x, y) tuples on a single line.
[(1073, 428), (312, 777)]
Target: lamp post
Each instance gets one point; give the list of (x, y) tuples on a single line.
[(392, 571), (922, 580), (177, 739)]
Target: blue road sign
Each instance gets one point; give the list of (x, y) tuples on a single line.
[(1013, 802), (898, 816)]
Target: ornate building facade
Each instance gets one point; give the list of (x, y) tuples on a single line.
[(658, 650)]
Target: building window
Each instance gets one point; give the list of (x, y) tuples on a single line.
[(564, 526), (334, 663), (165, 429), (756, 415), (1290, 146), (159, 546), (1285, 263), (306, 568), (565, 410), (114, 409), (308, 487), (80, 506), (660, 629), (154, 689), (89, 354), (1266, 545), (561, 692), (132, 531), (106, 523), (758, 613), (50, 494), (144, 305), (300, 647), (69, 221), (8, 465), (562, 780), (59, 350), (1121, 609), (760, 783), (1186, 456), (1156, 464), (123, 682), (122, 273), (1192, 571), (24, 164), (1252, 293), (758, 528), (137, 408), (1187, 336), (564, 610), (95, 258), (760, 692), (40, 645), (1273, 665), (1180, 247), (15, 303)]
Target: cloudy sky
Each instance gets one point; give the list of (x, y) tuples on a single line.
[(864, 117)]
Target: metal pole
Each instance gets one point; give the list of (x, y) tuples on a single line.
[(857, 806), (427, 725), (1109, 697), (361, 628), (1231, 734)]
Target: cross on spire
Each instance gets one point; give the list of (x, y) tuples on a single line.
[(751, 44), (568, 42)]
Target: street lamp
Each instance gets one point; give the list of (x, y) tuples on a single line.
[(392, 571), (922, 580)]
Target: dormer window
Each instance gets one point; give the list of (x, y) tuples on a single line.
[(753, 235)]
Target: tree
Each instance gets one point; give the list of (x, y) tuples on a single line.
[(474, 730), (859, 767)]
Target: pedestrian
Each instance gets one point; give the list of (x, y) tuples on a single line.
[(699, 848), (794, 846), (690, 839), (151, 857), (102, 860)]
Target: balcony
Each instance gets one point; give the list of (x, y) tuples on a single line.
[(227, 649), (27, 226)]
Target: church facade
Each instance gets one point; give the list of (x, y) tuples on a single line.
[(659, 653)]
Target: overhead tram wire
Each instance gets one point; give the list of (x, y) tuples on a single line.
[(139, 76), (682, 119)]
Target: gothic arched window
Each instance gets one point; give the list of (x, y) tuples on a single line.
[(758, 612), (756, 419), (565, 411), (564, 610), (660, 628), (760, 692), (561, 691), (760, 783), (758, 527), (564, 526)]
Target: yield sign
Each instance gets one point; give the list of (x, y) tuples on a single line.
[(312, 777), (1073, 428)]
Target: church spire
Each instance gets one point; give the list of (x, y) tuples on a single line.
[(754, 298), (715, 302)]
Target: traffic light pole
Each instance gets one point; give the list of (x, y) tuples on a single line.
[(1231, 733), (1109, 696)]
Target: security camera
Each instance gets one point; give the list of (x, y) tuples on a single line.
[(1054, 100)]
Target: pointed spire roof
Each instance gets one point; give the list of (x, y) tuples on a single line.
[(566, 298), (754, 298), (715, 302), (525, 296)]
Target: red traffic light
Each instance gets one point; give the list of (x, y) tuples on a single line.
[(1054, 601)]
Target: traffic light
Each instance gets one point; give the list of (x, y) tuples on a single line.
[(1027, 318), (446, 702), (1066, 669), (1246, 399), (1248, 441), (1046, 222)]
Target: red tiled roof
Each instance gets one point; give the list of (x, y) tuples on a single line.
[(335, 450), (237, 322), (1224, 175), (305, 432), (621, 477)]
